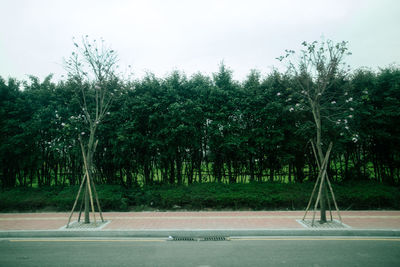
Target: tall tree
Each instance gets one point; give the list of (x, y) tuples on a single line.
[(92, 68), (319, 67)]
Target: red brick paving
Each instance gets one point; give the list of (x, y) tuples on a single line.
[(200, 220)]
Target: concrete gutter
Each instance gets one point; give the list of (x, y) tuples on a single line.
[(198, 233)]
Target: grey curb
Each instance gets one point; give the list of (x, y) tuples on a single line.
[(197, 233)]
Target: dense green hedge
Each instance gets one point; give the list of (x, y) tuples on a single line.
[(254, 196)]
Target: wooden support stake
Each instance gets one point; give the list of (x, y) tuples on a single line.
[(80, 208), (319, 193), (88, 182), (334, 200), (97, 200), (76, 200), (316, 183), (330, 188), (329, 201), (322, 173), (312, 196), (91, 199), (89, 185)]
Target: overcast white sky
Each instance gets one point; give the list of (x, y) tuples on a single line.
[(193, 35)]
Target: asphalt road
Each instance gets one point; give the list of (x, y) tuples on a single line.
[(302, 251)]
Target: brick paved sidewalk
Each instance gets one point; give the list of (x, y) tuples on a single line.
[(200, 220)]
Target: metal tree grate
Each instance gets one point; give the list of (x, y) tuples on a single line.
[(86, 226), (334, 224)]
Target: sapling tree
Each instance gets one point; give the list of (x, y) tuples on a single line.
[(320, 74), (92, 70)]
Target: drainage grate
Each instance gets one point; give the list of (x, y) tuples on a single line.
[(180, 238), (215, 238), (207, 238)]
